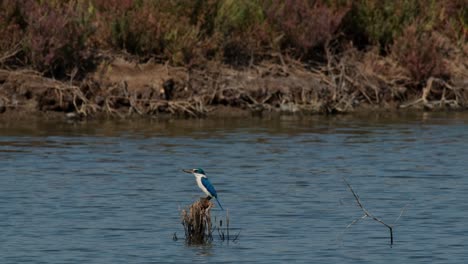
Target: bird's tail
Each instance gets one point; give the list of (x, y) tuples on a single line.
[(219, 204)]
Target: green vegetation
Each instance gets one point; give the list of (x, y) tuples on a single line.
[(57, 36)]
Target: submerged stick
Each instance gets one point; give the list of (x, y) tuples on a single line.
[(367, 213)]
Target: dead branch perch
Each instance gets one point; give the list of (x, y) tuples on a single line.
[(197, 222), (367, 213), (198, 226)]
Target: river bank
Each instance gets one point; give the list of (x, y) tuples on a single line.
[(199, 58), (119, 87)]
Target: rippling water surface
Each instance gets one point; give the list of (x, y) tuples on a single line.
[(110, 191)]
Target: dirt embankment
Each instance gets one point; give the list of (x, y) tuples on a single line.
[(121, 88)]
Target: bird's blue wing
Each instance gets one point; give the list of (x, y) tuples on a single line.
[(209, 186)]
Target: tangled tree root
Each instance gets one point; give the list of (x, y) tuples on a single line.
[(444, 96)]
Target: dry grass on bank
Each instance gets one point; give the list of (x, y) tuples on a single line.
[(346, 82)]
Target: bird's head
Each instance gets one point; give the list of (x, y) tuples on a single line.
[(195, 171)]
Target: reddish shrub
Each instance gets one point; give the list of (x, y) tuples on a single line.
[(56, 36), (452, 19), (243, 33), (134, 26), (421, 52), (170, 30), (242, 47), (11, 27), (305, 25)]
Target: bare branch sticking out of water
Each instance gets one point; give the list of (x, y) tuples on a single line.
[(401, 213), (367, 213), (355, 221)]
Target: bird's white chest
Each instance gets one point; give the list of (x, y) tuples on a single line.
[(201, 186)]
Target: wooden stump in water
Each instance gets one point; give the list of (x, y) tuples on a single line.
[(197, 222)]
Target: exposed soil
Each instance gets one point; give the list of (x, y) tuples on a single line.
[(121, 88)]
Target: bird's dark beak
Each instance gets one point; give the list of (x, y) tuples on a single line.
[(187, 171)]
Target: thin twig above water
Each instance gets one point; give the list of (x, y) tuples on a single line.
[(367, 213)]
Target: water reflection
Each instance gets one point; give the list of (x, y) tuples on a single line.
[(290, 125)]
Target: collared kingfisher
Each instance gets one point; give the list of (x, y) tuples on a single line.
[(204, 184)]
